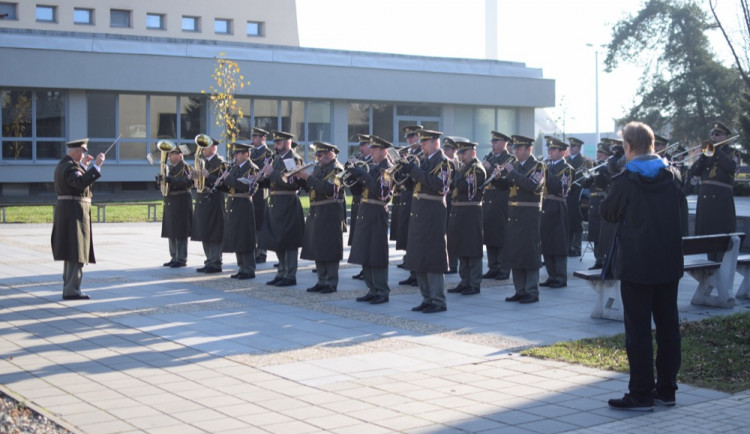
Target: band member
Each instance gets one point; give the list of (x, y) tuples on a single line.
[(370, 246), (208, 215), (240, 183), (356, 189), (284, 221), (260, 156), (660, 147), (426, 253), (324, 229), (411, 133), (177, 219), (598, 184), (465, 219), (72, 240), (495, 207), (554, 221), (523, 243), (575, 219), (449, 149)]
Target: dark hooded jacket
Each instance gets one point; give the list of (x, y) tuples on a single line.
[(644, 200)]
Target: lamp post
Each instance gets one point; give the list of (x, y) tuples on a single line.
[(596, 83)]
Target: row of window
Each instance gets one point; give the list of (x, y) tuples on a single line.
[(121, 18), (34, 122)]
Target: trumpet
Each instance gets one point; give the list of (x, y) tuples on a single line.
[(165, 146), (492, 177), (345, 177), (199, 181), (398, 161), (707, 148), (289, 173)]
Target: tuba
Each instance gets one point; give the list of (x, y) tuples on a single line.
[(199, 181), (165, 146)]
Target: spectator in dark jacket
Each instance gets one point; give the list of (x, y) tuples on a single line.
[(644, 200)]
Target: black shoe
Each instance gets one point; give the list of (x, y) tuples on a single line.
[(211, 270), (260, 259), (528, 298), (276, 265), (546, 283), (379, 299), (80, 296), (201, 270), (456, 290), (315, 288), (274, 281), (597, 266), (401, 265), (574, 253), (327, 289), (366, 297), (502, 276), (314, 270), (358, 276), (420, 308), (287, 282), (491, 274), (410, 281), (234, 276), (557, 284), (667, 400), (470, 291), (514, 297), (433, 308), (452, 271), (178, 264), (168, 264), (629, 403), (245, 276)]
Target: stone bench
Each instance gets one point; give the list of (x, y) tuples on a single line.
[(101, 209)]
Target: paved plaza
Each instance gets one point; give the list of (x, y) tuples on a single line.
[(165, 350)]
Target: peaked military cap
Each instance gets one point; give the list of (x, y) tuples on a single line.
[(259, 132), (718, 126), (521, 141), (281, 135), (497, 135), (429, 135), (463, 144), (79, 143), (555, 143), (603, 147), (659, 140), (449, 142), (377, 142), (412, 129), (363, 139), (241, 147), (323, 147), (575, 141)]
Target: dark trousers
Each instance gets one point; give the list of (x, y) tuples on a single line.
[(287, 264), (376, 279), (246, 262), (328, 273), (178, 249), (470, 271), (72, 276), (526, 281), (639, 303), (495, 260), (432, 288), (557, 267), (213, 254)]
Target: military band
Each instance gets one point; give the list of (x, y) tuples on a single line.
[(178, 209), (554, 221), (414, 152), (575, 218), (208, 215), (495, 207), (357, 188), (260, 155), (597, 180)]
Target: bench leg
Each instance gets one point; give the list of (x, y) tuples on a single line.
[(708, 280), (608, 300), (744, 290)]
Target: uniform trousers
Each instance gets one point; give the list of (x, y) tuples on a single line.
[(246, 262), (213, 254), (557, 267), (640, 302), (470, 271), (495, 260), (432, 287), (287, 264), (576, 239), (328, 273), (376, 279), (526, 281), (72, 275), (178, 249)]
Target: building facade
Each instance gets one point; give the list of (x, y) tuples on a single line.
[(103, 69)]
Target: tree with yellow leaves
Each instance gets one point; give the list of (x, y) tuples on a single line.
[(228, 80)]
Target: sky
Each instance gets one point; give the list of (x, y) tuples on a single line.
[(558, 36)]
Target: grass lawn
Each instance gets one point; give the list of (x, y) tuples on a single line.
[(715, 353)]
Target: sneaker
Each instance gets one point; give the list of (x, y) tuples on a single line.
[(666, 400), (629, 403)]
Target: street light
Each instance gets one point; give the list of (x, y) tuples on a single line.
[(596, 81)]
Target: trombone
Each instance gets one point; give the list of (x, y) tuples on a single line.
[(289, 173), (707, 148)]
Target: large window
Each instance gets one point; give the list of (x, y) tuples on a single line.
[(46, 14), (477, 123), (364, 118), (223, 26), (9, 10), (190, 24), (254, 28), (119, 18), (83, 16), (33, 124), (155, 21)]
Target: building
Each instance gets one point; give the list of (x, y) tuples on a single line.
[(105, 68)]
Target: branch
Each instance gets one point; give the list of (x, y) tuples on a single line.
[(744, 75)]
